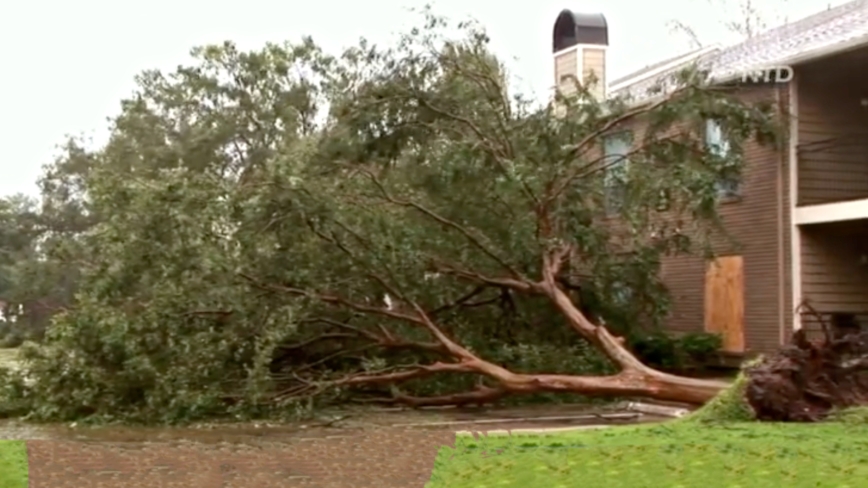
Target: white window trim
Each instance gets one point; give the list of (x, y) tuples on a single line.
[(623, 158)]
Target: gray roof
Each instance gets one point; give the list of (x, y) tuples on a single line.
[(652, 67), (639, 89), (836, 27)]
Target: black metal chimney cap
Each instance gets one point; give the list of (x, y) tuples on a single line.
[(572, 29)]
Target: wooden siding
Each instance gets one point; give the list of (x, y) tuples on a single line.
[(759, 221), (833, 134), (594, 61), (834, 270), (833, 167), (567, 65), (566, 75)]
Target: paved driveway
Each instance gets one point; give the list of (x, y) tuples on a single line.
[(382, 459)]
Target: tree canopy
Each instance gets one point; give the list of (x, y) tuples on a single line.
[(264, 229)]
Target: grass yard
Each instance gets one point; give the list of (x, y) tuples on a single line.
[(675, 454), (13, 464)]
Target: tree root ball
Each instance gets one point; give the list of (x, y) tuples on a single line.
[(805, 380)]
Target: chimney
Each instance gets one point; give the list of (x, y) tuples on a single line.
[(579, 46)]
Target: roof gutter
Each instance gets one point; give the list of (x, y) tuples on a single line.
[(838, 48), (806, 57)]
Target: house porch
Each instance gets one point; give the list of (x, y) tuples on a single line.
[(830, 189)]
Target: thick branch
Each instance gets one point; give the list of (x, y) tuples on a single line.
[(522, 285), (611, 346), (635, 379), (652, 384), (460, 301), (386, 340), (418, 371), (321, 337), (333, 239), (448, 223), (558, 186), (498, 157), (334, 299), (419, 317), (481, 395)]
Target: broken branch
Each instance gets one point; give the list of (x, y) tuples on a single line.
[(446, 222)]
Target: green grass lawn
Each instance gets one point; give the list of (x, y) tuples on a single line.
[(674, 454), (13, 464)]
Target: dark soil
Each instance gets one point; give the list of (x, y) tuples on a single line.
[(807, 380)]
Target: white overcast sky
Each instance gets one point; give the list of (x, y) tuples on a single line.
[(67, 64)]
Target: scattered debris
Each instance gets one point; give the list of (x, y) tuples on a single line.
[(661, 410)]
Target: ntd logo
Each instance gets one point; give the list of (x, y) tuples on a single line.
[(775, 74)]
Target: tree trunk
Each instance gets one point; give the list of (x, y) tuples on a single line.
[(634, 380), (648, 383)]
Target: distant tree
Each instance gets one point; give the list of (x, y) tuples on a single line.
[(20, 229), (40, 243)]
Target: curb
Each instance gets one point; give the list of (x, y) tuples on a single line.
[(511, 420), (550, 430), (651, 409)]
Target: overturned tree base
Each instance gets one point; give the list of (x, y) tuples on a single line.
[(806, 381)]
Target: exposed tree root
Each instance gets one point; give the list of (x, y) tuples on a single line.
[(805, 381)]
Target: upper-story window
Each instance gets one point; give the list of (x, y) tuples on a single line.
[(616, 151), (717, 142), (622, 294)]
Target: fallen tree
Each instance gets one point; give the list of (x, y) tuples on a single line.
[(283, 225), (634, 379)]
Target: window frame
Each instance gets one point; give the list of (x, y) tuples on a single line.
[(624, 143), (621, 292), (717, 142)]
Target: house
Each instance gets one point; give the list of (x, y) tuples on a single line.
[(800, 214)]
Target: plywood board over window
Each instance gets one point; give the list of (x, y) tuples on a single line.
[(724, 301)]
